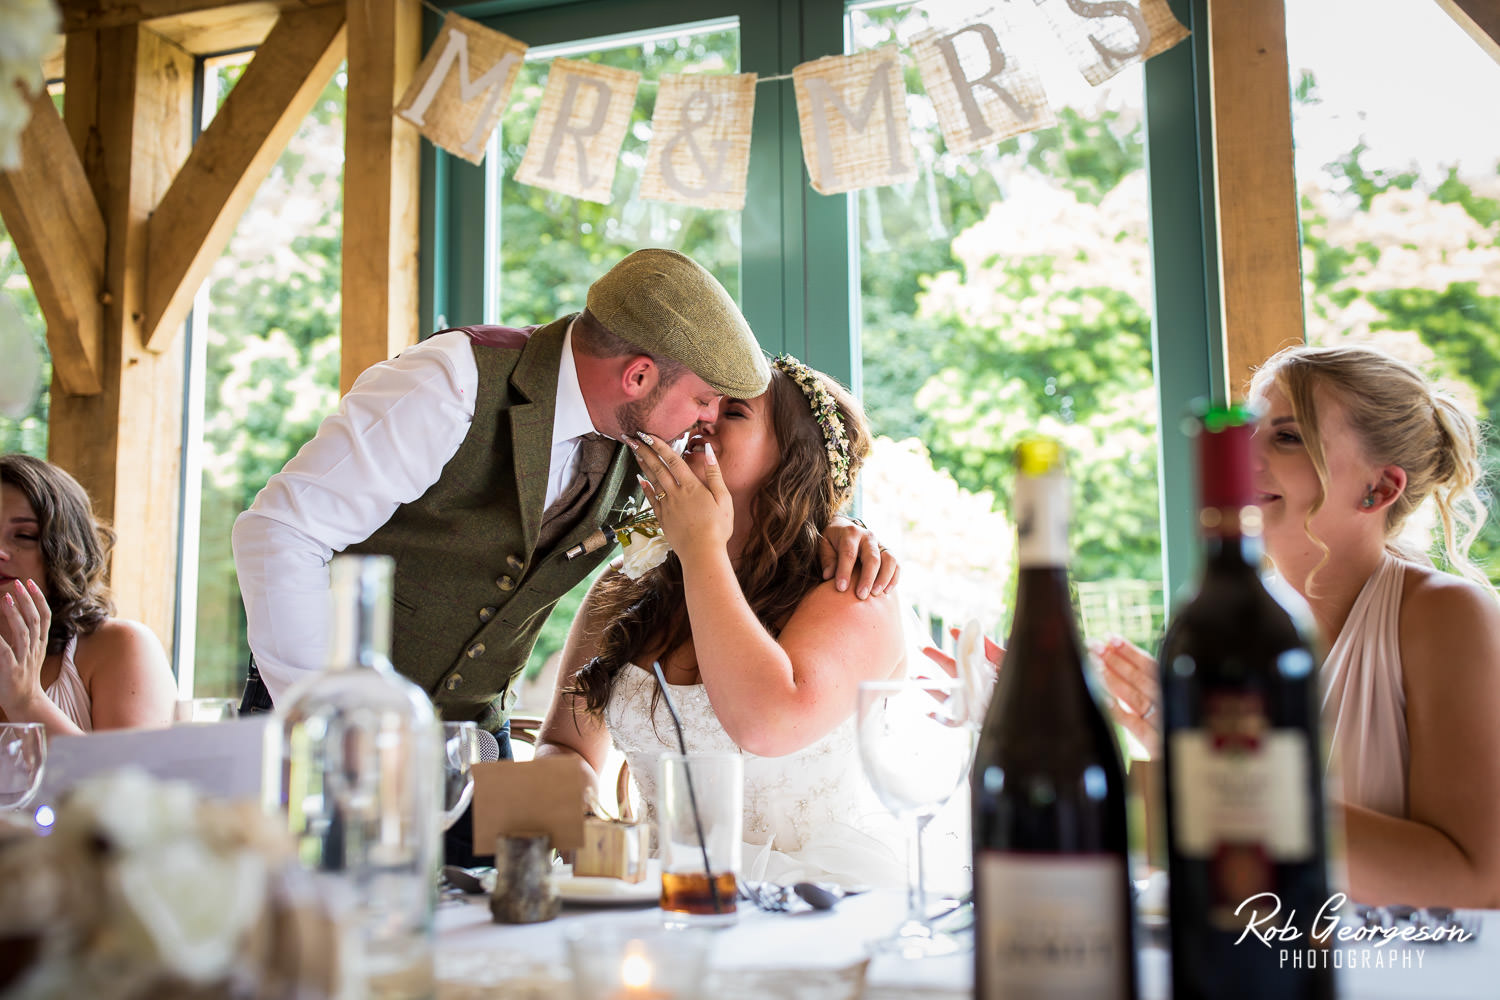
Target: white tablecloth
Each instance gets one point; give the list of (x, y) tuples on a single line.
[(821, 956)]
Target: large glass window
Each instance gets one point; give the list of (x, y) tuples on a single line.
[(1400, 193), (265, 369), (23, 332), (1008, 292)]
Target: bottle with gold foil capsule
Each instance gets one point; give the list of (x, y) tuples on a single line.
[(1246, 828), (1052, 901)]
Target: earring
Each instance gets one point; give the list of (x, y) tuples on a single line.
[(1368, 501)]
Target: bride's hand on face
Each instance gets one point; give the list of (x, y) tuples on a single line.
[(695, 515)]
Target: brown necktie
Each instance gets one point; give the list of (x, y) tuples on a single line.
[(594, 456)]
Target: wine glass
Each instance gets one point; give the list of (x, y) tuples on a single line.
[(916, 747), (23, 757), (461, 743)]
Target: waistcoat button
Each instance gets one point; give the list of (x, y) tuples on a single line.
[(516, 563), (475, 651), (506, 584), (453, 682), (485, 614)]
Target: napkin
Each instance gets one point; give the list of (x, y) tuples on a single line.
[(975, 671)]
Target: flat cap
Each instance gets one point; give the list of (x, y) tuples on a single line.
[(667, 304)]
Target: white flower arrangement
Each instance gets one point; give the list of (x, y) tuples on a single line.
[(643, 547), (141, 889), (27, 28)]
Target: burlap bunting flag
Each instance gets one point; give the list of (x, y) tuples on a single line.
[(1113, 36), (462, 86), (980, 91), (700, 141), (579, 129), (852, 115)]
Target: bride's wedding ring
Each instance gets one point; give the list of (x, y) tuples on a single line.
[(661, 496)]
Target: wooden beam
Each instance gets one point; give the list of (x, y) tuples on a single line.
[(50, 212), (94, 15), (191, 227), (1260, 249), (1480, 18), (381, 156), (129, 103)]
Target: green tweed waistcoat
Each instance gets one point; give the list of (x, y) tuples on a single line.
[(472, 590)]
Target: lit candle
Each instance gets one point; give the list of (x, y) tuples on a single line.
[(636, 974)]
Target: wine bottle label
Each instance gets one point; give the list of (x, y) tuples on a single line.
[(1041, 510), (1052, 927), (1244, 793)]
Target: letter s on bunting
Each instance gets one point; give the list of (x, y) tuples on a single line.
[(1105, 36), (852, 115), (462, 86)]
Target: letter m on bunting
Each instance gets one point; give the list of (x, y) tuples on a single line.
[(852, 115), (462, 86)]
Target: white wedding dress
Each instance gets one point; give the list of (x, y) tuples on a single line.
[(809, 815)]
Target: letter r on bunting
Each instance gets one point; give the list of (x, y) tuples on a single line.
[(978, 109), (579, 129), (459, 110)]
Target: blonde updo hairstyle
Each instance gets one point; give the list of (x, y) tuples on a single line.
[(1400, 420)]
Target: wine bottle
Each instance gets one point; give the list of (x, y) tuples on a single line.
[(360, 753), (1052, 897), (1246, 831)]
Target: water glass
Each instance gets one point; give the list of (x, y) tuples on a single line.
[(699, 815), (23, 758), (461, 743)]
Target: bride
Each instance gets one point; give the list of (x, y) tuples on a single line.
[(761, 655)]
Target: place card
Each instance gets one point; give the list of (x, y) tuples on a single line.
[(529, 797)]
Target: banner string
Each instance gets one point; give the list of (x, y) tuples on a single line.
[(440, 12)]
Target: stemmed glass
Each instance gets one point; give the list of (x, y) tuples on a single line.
[(23, 758), (461, 743), (916, 747)]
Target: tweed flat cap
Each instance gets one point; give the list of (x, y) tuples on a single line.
[(668, 304)]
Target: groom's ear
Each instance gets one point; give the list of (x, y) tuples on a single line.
[(639, 377)]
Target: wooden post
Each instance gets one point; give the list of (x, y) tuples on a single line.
[(1480, 19), (1260, 247), (129, 100), (381, 158)]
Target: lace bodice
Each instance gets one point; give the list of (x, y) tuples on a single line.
[(809, 814)]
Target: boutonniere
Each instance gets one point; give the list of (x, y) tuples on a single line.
[(641, 541)]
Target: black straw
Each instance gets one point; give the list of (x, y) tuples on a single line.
[(687, 773)]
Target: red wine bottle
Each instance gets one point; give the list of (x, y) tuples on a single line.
[(1052, 902), (1246, 831)]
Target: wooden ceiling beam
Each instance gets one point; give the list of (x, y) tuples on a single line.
[(1480, 19), (54, 220), (196, 218), (93, 15)]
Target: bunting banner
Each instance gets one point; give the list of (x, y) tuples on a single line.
[(700, 141), (852, 115), (455, 108), (579, 129), (981, 93), (1104, 38), (851, 109)]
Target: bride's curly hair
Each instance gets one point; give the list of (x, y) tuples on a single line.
[(779, 564), (75, 547)]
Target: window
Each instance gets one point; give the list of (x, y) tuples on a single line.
[(1400, 195), (264, 371)]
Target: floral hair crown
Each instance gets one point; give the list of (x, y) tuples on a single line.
[(825, 411)]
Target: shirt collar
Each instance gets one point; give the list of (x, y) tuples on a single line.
[(571, 416)]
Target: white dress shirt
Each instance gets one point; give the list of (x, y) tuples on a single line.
[(393, 433)]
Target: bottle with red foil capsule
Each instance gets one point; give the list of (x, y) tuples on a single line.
[(1246, 830)]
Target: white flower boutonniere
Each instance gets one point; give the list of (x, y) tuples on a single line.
[(642, 544)]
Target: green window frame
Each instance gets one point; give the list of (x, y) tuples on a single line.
[(798, 286)]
